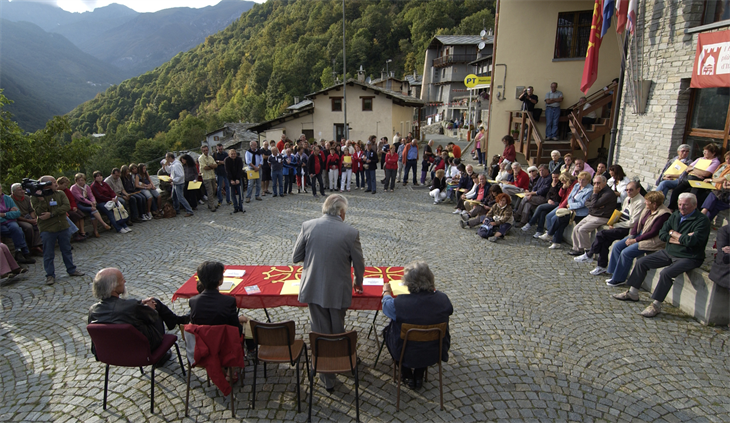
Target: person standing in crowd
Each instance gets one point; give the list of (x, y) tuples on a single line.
[(410, 158), (177, 175), (254, 160), (237, 179), (370, 162), (265, 172), (333, 168), (276, 163), (357, 167), (207, 169), (51, 210), (315, 167), (220, 174), (346, 169), (552, 111), (329, 250), (529, 100), (428, 158)]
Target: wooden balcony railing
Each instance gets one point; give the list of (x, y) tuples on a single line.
[(449, 59)]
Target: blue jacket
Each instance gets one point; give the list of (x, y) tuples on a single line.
[(577, 199), (542, 186), (11, 215)]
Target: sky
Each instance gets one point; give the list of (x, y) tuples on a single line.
[(138, 5)]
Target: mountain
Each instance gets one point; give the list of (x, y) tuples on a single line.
[(46, 75), (252, 70), (134, 42)]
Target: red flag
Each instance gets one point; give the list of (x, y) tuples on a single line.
[(622, 12), (590, 68)]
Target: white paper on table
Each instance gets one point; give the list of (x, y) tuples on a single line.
[(372, 281), (234, 273)]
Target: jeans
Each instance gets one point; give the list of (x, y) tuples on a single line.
[(223, 180), (550, 219), (714, 206), (390, 178), (371, 180), (237, 195), (117, 224), (49, 251), (251, 184), (603, 242), (621, 259), (559, 227), (288, 182), (278, 178), (178, 198), (480, 156), (317, 179), (13, 230), (411, 164), (666, 185), (360, 175), (552, 115)]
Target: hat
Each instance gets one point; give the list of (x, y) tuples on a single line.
[(562, 212), (531, 168)]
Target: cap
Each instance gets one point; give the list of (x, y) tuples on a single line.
[(531, 168)]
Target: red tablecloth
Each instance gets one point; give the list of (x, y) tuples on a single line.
[(270, 280)]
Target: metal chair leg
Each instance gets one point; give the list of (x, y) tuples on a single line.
[(233, 398), (441, 387), (179, 358), (379, 351), (106, 384), (187, 393), (299, 398), (253, 389), (357, 395), (152, 392)]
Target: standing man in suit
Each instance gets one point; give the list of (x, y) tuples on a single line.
[(328, 247)]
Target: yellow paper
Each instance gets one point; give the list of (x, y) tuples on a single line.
[(397, 288), (252, 174), (164, 178), (521, 194), (233, 280), (290, 288), (491, 181), (701, 184), (229, 284), (675, 169), (347, 159), (615, 217), (194, 185), (703, 164)]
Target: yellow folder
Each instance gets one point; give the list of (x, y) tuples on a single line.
[(675, 169), (290, 288), (347, 159), (701, 184), (397, 288), (164, 178), (194, 185), (703, 164)]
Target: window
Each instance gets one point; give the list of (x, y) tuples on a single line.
[(571, 38), (716, 11), (709, 108), (336, 104), (367, 104)]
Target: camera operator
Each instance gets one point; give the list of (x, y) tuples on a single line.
[(50, 206), (528, 100)]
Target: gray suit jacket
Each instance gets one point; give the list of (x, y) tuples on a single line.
[(329, 248)]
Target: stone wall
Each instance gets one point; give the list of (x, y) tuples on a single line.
[(666, 56)]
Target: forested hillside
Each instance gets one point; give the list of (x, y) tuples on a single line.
[(252, 70)]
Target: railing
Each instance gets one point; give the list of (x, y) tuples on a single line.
[(598, 100), (527, 133), (448, 59)]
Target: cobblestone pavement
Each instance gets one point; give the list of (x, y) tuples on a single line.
[(534, 336)]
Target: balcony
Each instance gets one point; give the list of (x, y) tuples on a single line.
[(451, 59)]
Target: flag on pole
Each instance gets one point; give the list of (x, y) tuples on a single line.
[(622, 11), (631, 25), (590, 68), (608, 8)]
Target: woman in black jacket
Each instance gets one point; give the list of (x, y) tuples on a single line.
[(237, 178), (438, 187)]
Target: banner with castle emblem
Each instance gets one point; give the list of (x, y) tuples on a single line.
[(712, 60)]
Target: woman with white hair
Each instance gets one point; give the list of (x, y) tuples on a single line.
[(556, 162), (423, 305)]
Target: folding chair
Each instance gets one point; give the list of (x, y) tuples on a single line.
[(121, 344), (275, 343), (334, 354), (420, 333)]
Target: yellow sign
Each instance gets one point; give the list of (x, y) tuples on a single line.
[(472, 80)]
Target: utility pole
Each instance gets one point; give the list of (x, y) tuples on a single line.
[(344, 74)]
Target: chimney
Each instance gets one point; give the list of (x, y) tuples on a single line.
[(382, 74), (361, 75), (296, 100)]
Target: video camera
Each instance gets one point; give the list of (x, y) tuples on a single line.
[(32, 187)]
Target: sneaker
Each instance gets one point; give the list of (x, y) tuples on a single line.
[(626, 296), (457, 211), (492, 239), (526, 227), (555, 246), (50, 280), (258, 199), (598, 271), (537, 235), (248, 200), (546, 237), (651, 311), (575, 252), (435, 201), (611, 282), (583, 258)]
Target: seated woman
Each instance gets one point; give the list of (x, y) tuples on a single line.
[(709, 153), (210, 307), (143, 184), (568, 165), (86, 202), (575, 204), (9, 268), (717, 201), (560, 187), (643, 238), (618, 182), (104, 193), (475, 216), (509, 153), (556, 161), (500, 217), (76, 215), (438, 187), (423, 305), (460, 206), (506, 174), (130, 188)]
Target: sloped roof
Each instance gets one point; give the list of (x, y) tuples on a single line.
[(399, 98), (300, 105), (417, 80), (459, 40)]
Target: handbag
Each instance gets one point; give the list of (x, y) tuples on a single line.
[(120, 213)]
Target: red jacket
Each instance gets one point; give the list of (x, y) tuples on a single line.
[(357, 161), (522, 180), (405, 152), (509, 153), (102, 192), (391, 161), (217, 347)]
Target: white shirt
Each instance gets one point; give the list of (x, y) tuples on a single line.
[(177, 173)]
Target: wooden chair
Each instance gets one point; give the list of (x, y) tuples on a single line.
[(275, 343), (334, 354), (420, 333), (121, 344), (190, 341)]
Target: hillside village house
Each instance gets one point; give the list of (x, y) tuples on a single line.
[(371, 110), (652, 121)]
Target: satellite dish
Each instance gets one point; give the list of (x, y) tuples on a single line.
[(482, 45), (367, 80), (483, 33)]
